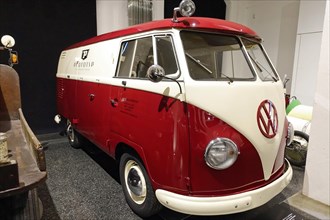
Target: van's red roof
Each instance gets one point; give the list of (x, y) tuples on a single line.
[(184, 23)]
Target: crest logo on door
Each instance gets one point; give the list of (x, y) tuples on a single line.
[(267, 119), (84, 54)]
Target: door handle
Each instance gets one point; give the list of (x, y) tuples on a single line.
[(91, 97), (114, 102)]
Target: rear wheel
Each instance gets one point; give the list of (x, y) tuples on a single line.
[(137, 188), (74, 137)]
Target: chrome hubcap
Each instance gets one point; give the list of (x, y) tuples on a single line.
[(135, 182)]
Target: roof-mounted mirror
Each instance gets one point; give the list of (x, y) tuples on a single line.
[(186, 9)]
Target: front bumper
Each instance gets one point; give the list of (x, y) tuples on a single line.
[(224, 204)]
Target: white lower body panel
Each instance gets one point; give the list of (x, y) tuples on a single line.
[(224, 204)]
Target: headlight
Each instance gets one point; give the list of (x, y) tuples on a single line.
[(290, 135), (221, 153)]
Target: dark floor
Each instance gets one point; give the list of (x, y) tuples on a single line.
[(84, 184)]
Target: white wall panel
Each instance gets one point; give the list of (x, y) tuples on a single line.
[(307, 64), (317, 171), (310, 26), (158, 10), (111, 15), (311, 16)]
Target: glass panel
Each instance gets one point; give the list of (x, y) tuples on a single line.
[(259, 61), (126, 56), (144, 57), (165, 55), (215, 57), (139, 11), (138, 55)]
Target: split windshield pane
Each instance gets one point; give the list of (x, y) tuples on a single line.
[(259, 61), (215, 57)]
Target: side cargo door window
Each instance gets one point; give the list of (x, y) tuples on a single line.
[(136, 56)]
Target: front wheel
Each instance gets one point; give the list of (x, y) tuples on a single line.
[(137, 188), (296, 152)]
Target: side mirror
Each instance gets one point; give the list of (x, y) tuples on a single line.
[(7, 41), (155, 73)]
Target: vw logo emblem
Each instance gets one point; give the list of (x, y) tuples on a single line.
[(267, 119)]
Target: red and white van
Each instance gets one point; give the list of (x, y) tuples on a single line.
[(191, 108)]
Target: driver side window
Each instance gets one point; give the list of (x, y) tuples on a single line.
[(136, 56)]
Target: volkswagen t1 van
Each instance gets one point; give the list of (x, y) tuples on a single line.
[(191, 108)]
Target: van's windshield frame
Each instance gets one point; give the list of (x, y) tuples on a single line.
[(224, 57)]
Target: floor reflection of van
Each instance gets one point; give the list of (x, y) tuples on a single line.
[(191, 108)]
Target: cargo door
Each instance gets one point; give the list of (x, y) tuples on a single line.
[(87, 99), (92, 94), (149, 116)]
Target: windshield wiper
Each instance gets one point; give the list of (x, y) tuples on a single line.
[(199, 63), (207, 69), (227, 77)]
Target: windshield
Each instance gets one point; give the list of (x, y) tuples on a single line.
[(221, 57), (259, 61)]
